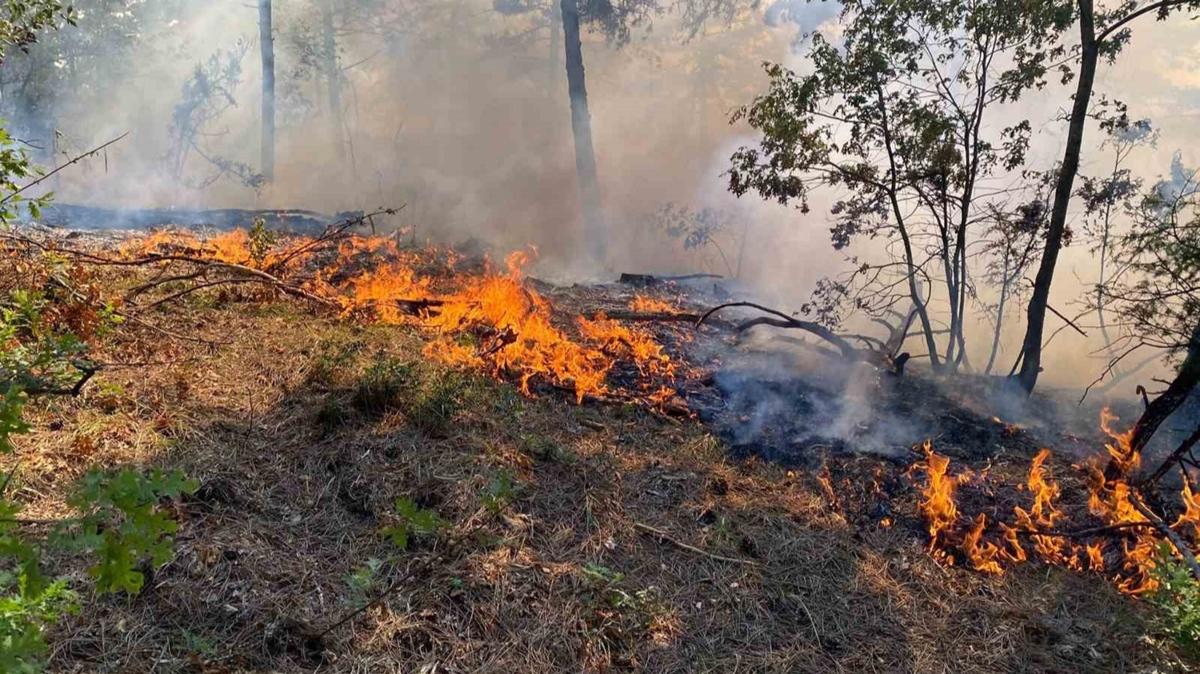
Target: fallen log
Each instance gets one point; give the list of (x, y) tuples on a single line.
[(646, 280), (664, 316), (92, 218), (782, 320)]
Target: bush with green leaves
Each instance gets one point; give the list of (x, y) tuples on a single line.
[(123, 525), (121, 522), (1178, 601), (412, 521)]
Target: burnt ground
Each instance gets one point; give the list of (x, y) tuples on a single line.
[(594, 537)]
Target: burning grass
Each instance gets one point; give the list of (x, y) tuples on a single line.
[(1117, 536), (487, 319), (306, 432)]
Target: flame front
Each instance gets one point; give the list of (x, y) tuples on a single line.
[(489, 320), (1126, 532)]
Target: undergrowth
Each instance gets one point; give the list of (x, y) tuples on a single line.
[(1177, 599), (119, 522), (429, 397)]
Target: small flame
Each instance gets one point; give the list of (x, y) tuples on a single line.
[(938, 505), (1112, 499), (652, 305)]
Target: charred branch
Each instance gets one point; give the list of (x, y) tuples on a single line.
[(782, 320), (646, 280)]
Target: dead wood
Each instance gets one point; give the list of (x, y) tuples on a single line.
[(645, 280), (664, 316), (1165, 529), (1181, 452), (690, 548), (782, 320)]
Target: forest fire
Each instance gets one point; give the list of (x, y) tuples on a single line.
[(1125, 544), (488, 319)]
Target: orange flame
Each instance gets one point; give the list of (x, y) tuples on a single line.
[(651, 305), (489, 320), (938, 505), (1111, 499), (1121, 450)]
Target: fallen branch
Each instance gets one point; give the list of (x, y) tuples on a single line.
[(664, 316), (332, 233), (650, 279), (395, 585), (1165, 529), (1176, 456), (785, 321), (691, 548)]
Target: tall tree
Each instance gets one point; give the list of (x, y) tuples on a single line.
[(894, 119), (581, 129), (1156, 292), (1101, 34), (614, 20), (333, 74), (267, 43)]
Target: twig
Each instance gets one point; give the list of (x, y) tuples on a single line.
[(374, 602), (1066, 320), (691, 548), (1184, 448), (1181, 545), (1112, 363), (74, 160)]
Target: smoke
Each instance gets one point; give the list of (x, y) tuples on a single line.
[(458, 110), (455, 108)]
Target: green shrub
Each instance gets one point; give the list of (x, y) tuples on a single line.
[(363, 582), (332, 414), (120, 521), (381, 386), (429, 397), (1178, 601), (412, 521), (499, 493), (433, 405)]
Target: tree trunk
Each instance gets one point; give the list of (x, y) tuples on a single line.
[(999, 315), (555, 47), (1032, 346), (267, 41), (1180, 387), (333, 76), (581, 126)]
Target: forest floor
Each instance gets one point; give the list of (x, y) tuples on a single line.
[(593, 537)]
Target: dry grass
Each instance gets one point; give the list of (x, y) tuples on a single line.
[(301, 461)]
